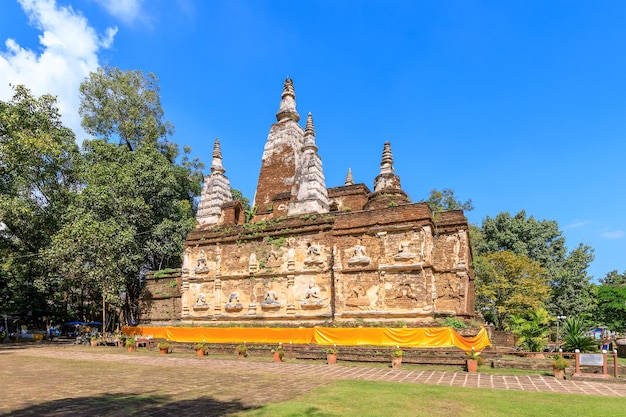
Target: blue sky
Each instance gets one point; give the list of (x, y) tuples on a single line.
[(518, 105)]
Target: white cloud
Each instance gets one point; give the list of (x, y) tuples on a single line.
[(126, 10), (617, 234), (575, 225), (68, 54)]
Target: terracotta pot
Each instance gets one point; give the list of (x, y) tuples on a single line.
[(331, 358), (472, 365), (200, 352), (277, 357), (559, 373), (396, 362), (93, 342), (164, 351), (131, 348), (240, 356)]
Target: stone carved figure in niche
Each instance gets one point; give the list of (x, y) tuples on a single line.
[(405, 291), (201, 303), (270, 300), (459, 248), (313, 254), (201, 266), (186, 261), (357, 297), (233, 303), (291, 255), (358, 255), (253, 265), (312, 297), (404, 252)]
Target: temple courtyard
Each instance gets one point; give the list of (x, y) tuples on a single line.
[(68, 380)]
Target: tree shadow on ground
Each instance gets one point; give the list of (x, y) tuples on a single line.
[(132, 404)]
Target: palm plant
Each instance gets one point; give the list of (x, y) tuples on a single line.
[(531, 329), (574, 336)]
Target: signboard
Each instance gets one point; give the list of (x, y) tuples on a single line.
[(592, 359)]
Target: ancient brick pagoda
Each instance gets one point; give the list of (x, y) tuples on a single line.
[(312, 254)]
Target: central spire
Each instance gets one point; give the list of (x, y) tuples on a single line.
[(287, 108)]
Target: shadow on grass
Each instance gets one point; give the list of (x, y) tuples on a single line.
[(132, 404)]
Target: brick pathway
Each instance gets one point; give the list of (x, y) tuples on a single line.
[(76, 380)]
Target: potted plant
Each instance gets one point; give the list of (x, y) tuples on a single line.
[(93, 340), (164, 347), (396, 357), (120, 341), (331, 355), (130, 344), (200, 348), (242, 350), (278, 352), (473, 360), (559, 363)]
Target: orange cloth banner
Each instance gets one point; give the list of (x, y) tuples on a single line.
[(429, 337)]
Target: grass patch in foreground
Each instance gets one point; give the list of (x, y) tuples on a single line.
[(365, 398)]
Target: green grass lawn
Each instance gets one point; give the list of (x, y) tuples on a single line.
[(365, 398)]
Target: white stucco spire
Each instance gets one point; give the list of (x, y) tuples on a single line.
[(309, 193), (309, 134), (387, 179), (287, 108), (349, 180), (216, 191), (216, 164)]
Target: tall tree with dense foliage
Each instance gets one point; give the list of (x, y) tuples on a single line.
[(125, 106), (611, 301), (37, 181), (572, 291), (137, 203), (543, 242), (509, 284)]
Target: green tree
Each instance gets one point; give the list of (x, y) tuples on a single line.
[(125, 106), (611, 301), (446, 200), (572, 291), (509, 284), (543, 242), (37, 179), (136, 203), (132, 215), (531, 329)]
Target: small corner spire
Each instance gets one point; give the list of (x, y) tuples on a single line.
[(386, 165), (309, 135), (309, 129), (349, 180), (216, 164)]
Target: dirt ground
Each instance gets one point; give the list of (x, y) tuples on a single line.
[(106, 381)]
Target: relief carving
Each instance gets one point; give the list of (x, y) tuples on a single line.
[(358, 256), (233, 305), (313, 255), (312, 297), (404, 252), (270, 301), (357, 297), (201, 266), (201, 303)]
